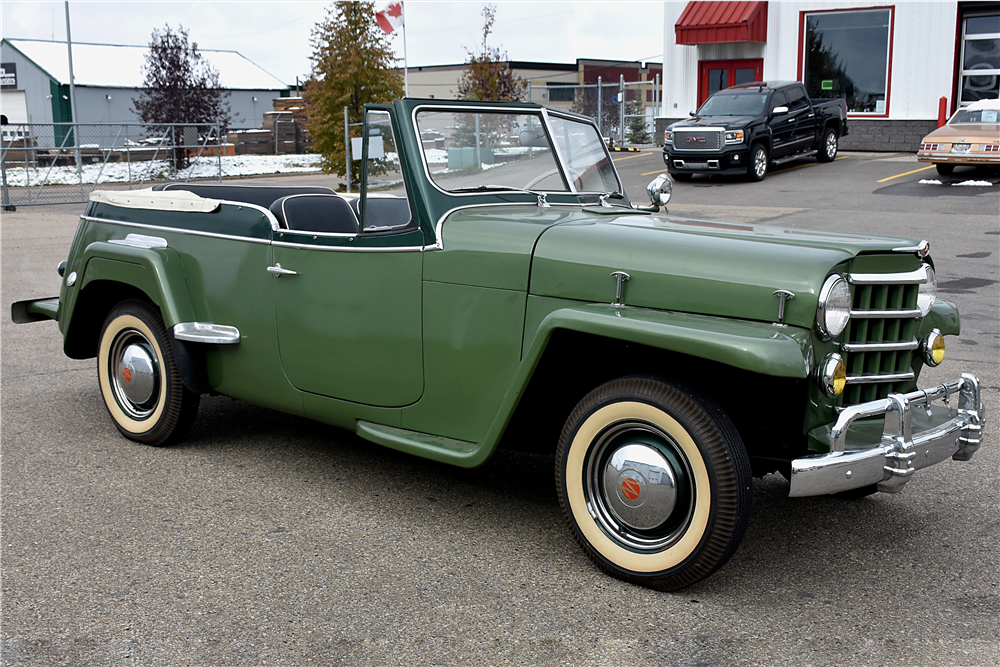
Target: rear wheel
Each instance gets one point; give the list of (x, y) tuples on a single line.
[(654, 482), (828, 148), (759, 158), (142, 390), (944, 169)]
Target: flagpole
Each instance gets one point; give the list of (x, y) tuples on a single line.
[(406, 69)]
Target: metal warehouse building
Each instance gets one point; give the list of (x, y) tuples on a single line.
[(35, 83), (892, 61)]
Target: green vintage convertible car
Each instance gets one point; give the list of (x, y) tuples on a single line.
[(493, 285)]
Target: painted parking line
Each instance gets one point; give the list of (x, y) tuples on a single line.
[(650, 173), (800, 166), (619, 159), (915, 171)]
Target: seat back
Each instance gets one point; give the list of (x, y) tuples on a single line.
[(383, 211), (324, 213)]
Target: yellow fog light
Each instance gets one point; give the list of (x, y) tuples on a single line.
[(832, 375), (933, 348)]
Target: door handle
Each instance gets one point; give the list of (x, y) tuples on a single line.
[(278, 271)]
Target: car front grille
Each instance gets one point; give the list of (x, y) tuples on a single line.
[(881, 338), (698, 140)]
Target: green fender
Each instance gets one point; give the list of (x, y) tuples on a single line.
[(758, 347), (158, 272)]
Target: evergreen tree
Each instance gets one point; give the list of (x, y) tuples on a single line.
[(352, 65), (180, 86)]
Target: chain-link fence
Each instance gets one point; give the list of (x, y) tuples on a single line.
[(63, 163), (623, 110)]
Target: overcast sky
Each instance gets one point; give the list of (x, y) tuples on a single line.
[(275, 35)]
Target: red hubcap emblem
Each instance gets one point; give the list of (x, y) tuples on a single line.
[(630, 488), (126, 375)]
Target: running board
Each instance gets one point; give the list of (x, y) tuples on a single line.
[(793, 157)]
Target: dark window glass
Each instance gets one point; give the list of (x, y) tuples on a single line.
[(717, 80), (561, 93), (796, 98), (779, 100), (979, 25), (847, 55), (744, 75)]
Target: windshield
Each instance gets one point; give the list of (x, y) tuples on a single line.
[(742, 103), (468, 150), (974, 116)]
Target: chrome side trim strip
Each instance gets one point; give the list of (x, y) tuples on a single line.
[(141, 241), (922, 249), (178, 230), (205, 332), (875, 379), (340, 248), (918, 277), (887, 314), (881, 347)]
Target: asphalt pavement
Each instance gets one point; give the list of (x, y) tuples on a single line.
[(266, 539)]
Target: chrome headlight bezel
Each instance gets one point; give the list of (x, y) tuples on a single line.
[(832, 375), (668, 137), (927, 293), (734, 136), (933, 342), (833, 310)]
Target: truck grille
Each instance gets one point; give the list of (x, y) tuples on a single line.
[(881, 337), (698, 140)]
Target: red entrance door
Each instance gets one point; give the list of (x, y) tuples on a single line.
[(716, 75)]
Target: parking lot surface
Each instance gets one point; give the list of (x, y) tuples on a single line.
[(266, 539)]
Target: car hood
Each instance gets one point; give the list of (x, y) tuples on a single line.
[(988, 132), (728, 122), (694, 266)]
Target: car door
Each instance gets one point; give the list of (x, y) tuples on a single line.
[(782, 126), (348, 302), (804, 134)]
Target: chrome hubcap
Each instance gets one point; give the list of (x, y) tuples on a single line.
[(831, 145), (134, 373), (637, 486), (760, 163)]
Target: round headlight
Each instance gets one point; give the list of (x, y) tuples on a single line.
[(933, 348), (832, 375), (834, 309), (928, 292)]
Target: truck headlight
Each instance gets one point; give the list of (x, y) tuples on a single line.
[(833, 311), (734, 137), (928, 292), (832, 375), (668, 137), (932, 348)]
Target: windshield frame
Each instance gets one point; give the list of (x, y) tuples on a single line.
[(543, 114)]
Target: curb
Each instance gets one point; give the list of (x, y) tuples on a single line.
[(618, 149)]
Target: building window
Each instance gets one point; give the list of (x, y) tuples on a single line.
[(847, 55), (980, 60), (561, 92)]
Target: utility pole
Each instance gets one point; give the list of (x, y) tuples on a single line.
[(72, 102)]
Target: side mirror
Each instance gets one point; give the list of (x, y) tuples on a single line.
[(660, 189), (692, 112), (533, 139), (777, 111)]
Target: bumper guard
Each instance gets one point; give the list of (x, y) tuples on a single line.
[(891, 463)]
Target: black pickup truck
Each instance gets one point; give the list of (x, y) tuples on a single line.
[(743, 129)]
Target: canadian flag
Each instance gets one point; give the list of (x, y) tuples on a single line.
[(390, 18)]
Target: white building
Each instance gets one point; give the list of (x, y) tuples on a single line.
[(893, 61), (34, 87)]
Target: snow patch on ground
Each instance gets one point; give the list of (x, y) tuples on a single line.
[(160, 170), (929, 181), (978, 183)]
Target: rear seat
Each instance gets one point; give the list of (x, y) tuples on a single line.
[(383, 211), (324, 213)]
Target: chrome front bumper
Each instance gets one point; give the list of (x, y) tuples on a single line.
[(915, 435)]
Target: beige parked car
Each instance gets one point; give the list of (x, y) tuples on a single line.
[(971, 137)]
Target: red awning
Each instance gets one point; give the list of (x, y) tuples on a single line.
[(712, 22)]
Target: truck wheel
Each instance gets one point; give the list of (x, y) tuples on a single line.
[(944, 169), (757, 169), (654, 482), (828, 149), (139, 382)]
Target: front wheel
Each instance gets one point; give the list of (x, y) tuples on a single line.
[(142, 389), (828, 148), (654, 482), (757, 169)]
